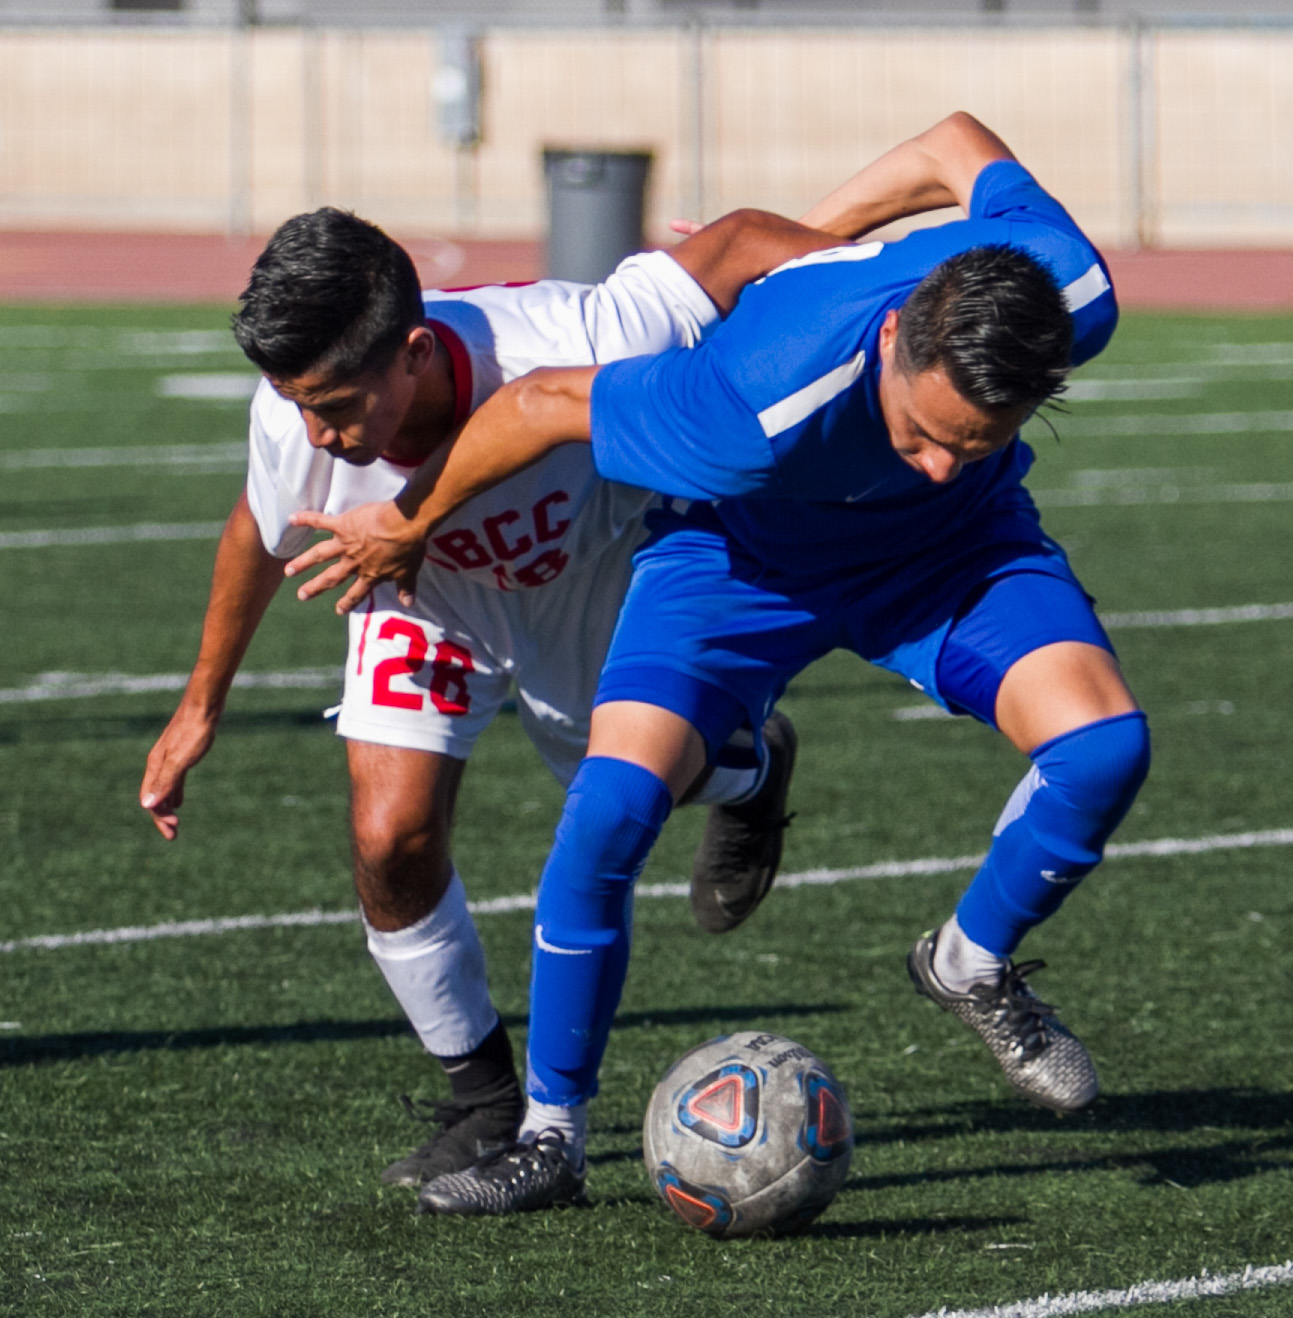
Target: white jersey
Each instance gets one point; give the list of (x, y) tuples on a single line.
[(523, 532), (432, 677)]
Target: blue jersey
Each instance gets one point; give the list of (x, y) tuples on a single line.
[(781, 402)]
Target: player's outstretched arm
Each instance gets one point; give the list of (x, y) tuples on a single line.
[(244, 581), (936, 168), (520, 423), (514, 428), (741, 247)]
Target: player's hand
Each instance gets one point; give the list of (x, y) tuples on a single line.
[(686, 227), (372, 543), (187, 739)]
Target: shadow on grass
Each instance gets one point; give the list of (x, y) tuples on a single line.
[(906, 1226), (1265, 1114), (37, 1048), (1162, 1110)]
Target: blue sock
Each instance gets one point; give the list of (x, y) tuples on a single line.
[(582, 926), (1054, 827)]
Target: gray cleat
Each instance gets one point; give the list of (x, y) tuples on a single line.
[(468, 1132), (737, 859), (1042, 1060), (528, 1174)]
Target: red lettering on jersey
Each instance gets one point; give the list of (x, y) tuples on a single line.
[(399, 665), (547, 567), (545, 529), (462, 546), (494, 534), (449, 671)]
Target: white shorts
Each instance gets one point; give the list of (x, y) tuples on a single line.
[(433, 677)]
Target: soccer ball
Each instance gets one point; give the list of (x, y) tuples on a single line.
[(748, 1134)]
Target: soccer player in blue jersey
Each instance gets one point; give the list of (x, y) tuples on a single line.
[(844, 458)]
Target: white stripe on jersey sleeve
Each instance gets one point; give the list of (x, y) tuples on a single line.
[(1085, 289), (800, 405), (830, 256)]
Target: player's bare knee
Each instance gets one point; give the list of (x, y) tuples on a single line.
[(402, 866), (1060, 688), (386, 842)]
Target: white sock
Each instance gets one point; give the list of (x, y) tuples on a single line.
[(729, 786), (960, 963), (572, 1122), (436, 969)]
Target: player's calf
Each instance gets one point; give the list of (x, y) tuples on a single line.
[(436, 970), (582, 923), (1053, 829), (1051, 833)]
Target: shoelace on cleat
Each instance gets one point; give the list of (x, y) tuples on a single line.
[(1019, 1008), (522, 1154), (445, 1114)]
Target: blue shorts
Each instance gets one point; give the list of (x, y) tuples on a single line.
[(715, 637)]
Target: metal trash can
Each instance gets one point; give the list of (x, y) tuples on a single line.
[(595, 205)]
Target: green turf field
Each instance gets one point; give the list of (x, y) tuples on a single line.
[(194, 1125)]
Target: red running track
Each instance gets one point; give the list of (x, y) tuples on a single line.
[(141, 267)]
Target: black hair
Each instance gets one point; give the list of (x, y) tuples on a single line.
[(329, 292), (994, 320)]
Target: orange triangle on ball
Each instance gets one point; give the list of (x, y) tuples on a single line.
[(723, 1103), (695, 1212), (832, 1120)]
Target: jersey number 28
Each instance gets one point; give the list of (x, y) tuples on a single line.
[(449, 669)]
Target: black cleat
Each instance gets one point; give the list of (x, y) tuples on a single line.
[(1043, 1061), (469, 1131), (528, 1174), (737, 859)]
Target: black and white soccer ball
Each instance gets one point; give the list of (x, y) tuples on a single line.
[(748, 1134)]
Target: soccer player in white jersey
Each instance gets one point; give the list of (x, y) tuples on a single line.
[(367, 377)]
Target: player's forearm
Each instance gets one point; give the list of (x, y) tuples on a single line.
[(522, 422), (245, 578), (936, 168), (741, 247)]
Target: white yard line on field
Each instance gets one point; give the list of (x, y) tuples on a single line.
[(227, 455), (1134, 496), (1191, 423), (1204, 1286), (222, 459), (79, 686), (210, 386), (119, 340), (1092, 390), (1199, 617), (112, 535), (889, 869), (1119, 621)]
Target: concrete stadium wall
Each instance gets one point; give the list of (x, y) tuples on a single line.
[(1163, 136)]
